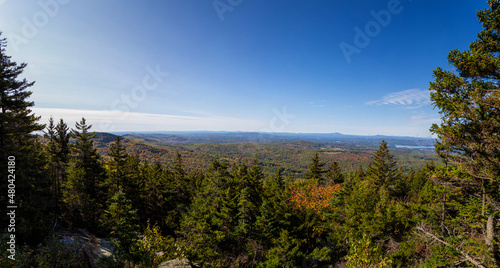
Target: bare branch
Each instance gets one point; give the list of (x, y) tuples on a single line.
[(427, 233)]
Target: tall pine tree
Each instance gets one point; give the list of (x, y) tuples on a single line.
[(382, 170), (117, 166), (334, 173), (316, 169), (58, 152), (82, 191), (18, 142), (468, 99)]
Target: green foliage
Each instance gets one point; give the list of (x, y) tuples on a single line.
[(285, 253), (153, 248), (17, 139), (364, 211), (364, 253), (471, 214), (316, 169), (382, 171), (17, 123), (468, 99), (372, 208), (440, 256), (121, 220), (334, 173), (58, 152), (82, 191), (116, 166)]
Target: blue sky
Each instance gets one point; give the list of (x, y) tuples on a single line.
[(354, 67)]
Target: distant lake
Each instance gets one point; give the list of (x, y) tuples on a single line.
[(415, 146)]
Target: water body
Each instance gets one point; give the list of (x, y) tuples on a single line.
[(415, 146)]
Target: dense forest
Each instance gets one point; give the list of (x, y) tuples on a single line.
[(231, 214), (292, 157)]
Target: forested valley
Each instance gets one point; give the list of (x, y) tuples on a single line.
[(232, 213), (291, 156)]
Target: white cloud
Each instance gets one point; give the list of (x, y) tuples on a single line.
[(321, 103), (411, 98), (423, 118), (113, 120)]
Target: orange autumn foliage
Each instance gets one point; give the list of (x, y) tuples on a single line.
[(317, 199)]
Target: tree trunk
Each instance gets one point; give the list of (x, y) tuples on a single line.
[(484, 197), (490, 232), (443, 214)]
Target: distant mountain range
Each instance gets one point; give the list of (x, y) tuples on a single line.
[(259, 137)]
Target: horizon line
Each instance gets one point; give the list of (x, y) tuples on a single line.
[(257, 132)]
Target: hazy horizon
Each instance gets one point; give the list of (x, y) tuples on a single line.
[(257, 132)]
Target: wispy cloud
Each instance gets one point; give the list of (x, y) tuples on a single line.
[(321, 103), (411, 98), (110, 120), (423, 118)]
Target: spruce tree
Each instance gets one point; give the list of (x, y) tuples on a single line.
[(334, 173), (133, 181), (208, 228), (468, 98), (17, 122), (382, 170), (19, 144), (254, 182), (62, 142), (117, 165), (82, 191), (316, 169), (58, 152), (51, 150), (121, 220)]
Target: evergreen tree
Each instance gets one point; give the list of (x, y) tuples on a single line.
[(121, 220), (253, 183), (161, 197), (62, 143), (469, 102), (17, 123), (316, 169), (117, 166), (178, 168), (51, 149), (58, 152), (244, 215), (82, 190), (133, 181), (360, 172), (382, 170), (18, 143), (207, 227), (274, 209), (334, 173), (181, 187)]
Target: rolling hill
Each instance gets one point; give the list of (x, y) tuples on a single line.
[(290, 152)]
